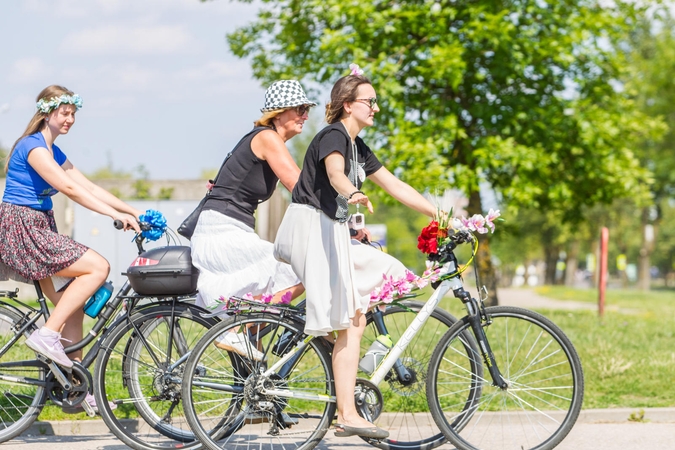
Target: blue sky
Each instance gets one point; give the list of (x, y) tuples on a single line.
[(159, 84)]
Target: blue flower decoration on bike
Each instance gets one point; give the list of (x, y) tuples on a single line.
[(157, 223)]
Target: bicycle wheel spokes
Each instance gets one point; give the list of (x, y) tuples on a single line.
[(544, 377), (20, 403), (135, 372), (235, 402)]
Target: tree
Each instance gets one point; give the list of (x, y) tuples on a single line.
[(518, 95), (3, 160), (649, 79)]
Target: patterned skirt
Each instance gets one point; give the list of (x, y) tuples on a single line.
[(31, 246)]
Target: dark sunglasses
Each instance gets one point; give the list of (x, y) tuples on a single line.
[(302, 109), (372, 101)]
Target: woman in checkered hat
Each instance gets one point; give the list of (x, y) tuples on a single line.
[(339, 273), (231, 258)]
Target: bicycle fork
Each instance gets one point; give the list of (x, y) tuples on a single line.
[(476, 318)]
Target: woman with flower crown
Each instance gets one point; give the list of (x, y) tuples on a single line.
[(232, 259), (340, 273), (30, 245)]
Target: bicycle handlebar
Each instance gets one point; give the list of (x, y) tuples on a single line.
[(144, 226)]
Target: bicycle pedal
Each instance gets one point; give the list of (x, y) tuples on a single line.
[(88, 408)]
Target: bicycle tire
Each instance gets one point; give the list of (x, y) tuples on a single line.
[(406, 412), (244, 418), (20, 403), (133, 372), (545, 384)]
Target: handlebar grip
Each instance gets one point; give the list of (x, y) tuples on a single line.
[(118, 224)]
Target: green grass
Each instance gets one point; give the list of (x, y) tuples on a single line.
[(628, 356)]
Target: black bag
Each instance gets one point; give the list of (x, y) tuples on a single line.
[(187, 228)]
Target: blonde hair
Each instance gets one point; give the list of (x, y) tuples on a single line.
[(37, 122), (266, 120), (343, 91)]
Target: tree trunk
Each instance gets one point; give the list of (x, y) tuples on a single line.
[(572, 263), (486, 271), (648, 237)]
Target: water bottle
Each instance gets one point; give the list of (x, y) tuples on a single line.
[(375, 354), (97, 301)]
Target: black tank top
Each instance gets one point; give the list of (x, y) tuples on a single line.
[(244, 181)]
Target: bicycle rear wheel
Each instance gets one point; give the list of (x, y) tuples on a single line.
[(20, 402), (139, 369), (545, 384), (405, 412), (228, 399)]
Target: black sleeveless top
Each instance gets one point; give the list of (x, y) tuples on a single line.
[(244, 181)]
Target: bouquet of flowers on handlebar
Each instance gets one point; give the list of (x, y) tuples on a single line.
[(437, 240), (444, 233)]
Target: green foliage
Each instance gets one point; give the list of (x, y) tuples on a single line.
[(165, 193), (142, 185), (516, 94), (3, 160)]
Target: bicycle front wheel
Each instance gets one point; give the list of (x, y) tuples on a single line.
[(139, 370), (405, 412), (233, 402), (545, 384), (22, 392)]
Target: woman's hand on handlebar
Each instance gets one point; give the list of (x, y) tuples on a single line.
[(126, 222)]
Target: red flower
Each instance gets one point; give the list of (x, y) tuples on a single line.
[(427, 241)]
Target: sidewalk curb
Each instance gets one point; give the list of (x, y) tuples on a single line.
[(98, 427)]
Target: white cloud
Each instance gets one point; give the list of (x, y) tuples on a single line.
[(27, 70), (128, 40)]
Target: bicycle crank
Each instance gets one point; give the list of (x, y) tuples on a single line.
[(78, 381), (368, 399)]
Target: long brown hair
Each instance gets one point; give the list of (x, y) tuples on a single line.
[(343, 91), (37, 122)]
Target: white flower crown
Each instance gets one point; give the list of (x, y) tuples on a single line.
[(46, 106)]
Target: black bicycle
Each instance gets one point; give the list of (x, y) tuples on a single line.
[(139, 342)]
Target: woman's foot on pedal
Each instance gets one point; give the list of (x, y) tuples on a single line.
[(48, 343), (79, 408), (239, 344)]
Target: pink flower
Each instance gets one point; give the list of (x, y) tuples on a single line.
[(286, 298), (478, 224), (489, 219), (248, 296), (266, 298)]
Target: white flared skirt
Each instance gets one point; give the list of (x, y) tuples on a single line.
[(233, 260), (338, 273)]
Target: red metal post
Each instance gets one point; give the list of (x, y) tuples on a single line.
[(602, 278)]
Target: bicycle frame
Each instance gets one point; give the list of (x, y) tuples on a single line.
[(453, 283)]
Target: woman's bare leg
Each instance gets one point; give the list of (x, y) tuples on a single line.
[(345, 365), (90, 272)]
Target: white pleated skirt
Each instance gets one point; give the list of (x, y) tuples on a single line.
[(233, 260), (338, 273)]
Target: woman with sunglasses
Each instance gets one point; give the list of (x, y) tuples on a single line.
[(339, 273), (231, 258)]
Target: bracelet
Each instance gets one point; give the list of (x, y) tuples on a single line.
[(355, 192)]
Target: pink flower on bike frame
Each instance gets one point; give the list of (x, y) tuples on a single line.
[(266, 298), (286, 298)]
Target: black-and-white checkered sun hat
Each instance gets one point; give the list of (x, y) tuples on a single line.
[(285, 94)]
